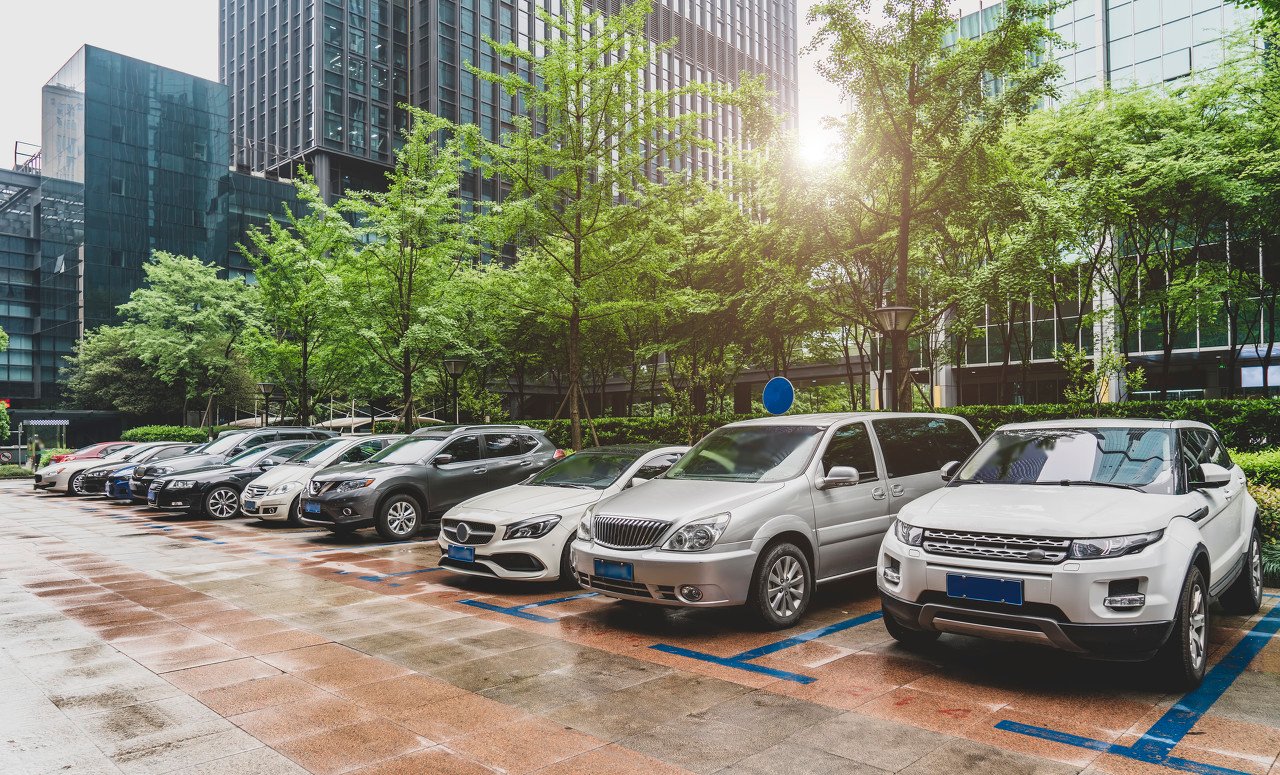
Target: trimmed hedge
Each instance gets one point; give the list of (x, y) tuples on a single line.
[(636, 430), (47, 454), (144, 433), (14, 472)]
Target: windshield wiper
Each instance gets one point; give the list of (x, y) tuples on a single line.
[(567, 484), (968, 481), (1087, 483)]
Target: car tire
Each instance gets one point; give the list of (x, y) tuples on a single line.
[(222, 503), (76, 485), (568, 578), (909, 638), (295, 517), (1184, 656), (781, 587), (399, 518), (1244, 596)]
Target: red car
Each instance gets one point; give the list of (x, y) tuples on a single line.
[(101, 449)]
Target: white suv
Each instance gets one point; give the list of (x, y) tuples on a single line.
[(1107, 538)]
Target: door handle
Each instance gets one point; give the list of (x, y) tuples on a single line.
[(479, 470), (1228, 493), (526, 463), (897, 491), (878, 494)]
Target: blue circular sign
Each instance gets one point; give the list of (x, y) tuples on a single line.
[(779, 395)]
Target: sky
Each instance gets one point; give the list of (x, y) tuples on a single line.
[(39, 37)]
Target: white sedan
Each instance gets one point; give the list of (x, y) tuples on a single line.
[(68, 477), (275, 494), (524, 531)]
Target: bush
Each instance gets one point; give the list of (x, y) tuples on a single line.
[(636, 430), (1268, 499), (145, 433), (45, 455), (1271, 564), (14, 472), (1262, 467)]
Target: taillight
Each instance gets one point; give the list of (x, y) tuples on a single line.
[(559, 455)]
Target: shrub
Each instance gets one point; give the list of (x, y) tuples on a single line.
[(145, 433), (49, 453), (636, 430), (14, 472), (1271, 564), (1268, 499), (1262, 467)]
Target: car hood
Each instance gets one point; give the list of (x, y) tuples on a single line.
[(1075, 511), (215, 473), (521, 500), (110, 469), (353, 470), (285, 472), (676, 499), (183, 463)]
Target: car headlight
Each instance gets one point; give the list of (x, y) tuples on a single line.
[(353, 484), (535, 527), (57, 470), (281, 489), (1116, 546), (585, 524), (180, 484), (698, 535), (908, 534), (161, 471)]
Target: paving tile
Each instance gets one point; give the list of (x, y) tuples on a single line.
[(767, 716), (611, 759), (401, 696), (350, 747), (436, 761), (868, 740), (280, 641), (460, 716), (790, 757), (646, 705), (696, 744), (258, 693), (279, 723), (198, 679), (310, 657), (344, 675), (978, 759), (525, 745), (259, 761)]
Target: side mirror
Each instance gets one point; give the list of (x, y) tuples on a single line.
[(949, 470), (267, 464), (839, 476), (1214, 476), (441, 460), (636, 481)]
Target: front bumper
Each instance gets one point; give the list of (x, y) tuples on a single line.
[(42, 482), (528, 559), (1063, 603), (138, 488), (722, 574), (269, 507), (119, 489), (175, 500), (348, 510), (94, 485)]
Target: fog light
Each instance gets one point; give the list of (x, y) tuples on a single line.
[(892, 576), (1124, 602), (346, 512), (690, 593)]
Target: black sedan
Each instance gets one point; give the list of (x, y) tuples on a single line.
[(95, 479), (215, 490)]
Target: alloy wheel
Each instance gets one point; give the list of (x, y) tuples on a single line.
[(1255, 568), (1196, 626), (402, 517), (222, 503), (786, 586), (77, 484)]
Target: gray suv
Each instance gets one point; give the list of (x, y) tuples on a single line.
[(424, 476)]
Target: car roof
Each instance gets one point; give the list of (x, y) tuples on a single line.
[(450, 430), (634, 449), (1107, 422), (827, 419)]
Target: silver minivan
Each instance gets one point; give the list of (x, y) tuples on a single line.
[(760, 511)]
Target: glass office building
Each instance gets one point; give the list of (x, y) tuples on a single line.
[(135, 158), (317, 82)]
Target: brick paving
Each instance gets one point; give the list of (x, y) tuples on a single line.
[(135, 641)]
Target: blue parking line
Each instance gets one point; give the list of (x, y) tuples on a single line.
[(378, 579), (1157, 744), (520, 612), (742, 661)]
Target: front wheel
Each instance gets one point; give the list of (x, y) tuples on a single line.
[(295, 517), (399, 518), (781, 587), (222, 503), (1244, 596), (1185, 654), (568, 576), (76, 486)]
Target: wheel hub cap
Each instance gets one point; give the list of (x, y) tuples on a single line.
[(222, 503), (786, 586), (401, 517), (1196, 630)]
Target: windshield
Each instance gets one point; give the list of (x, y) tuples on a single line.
[(248, 457), (753, 453), (406, 451), (585, 470), (310, 456), (223, 445), (1140, 458), (122, 454)]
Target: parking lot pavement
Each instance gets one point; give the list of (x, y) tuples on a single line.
[(135, 641)]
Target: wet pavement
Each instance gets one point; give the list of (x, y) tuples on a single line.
[(137, 641)]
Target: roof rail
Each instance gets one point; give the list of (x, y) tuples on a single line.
[(452, 429)]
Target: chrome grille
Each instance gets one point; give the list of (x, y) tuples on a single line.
[(255, 491), (613, 585), (476, 533), (627, 532), (958, 543)]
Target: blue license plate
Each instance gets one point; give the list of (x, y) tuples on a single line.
[(151, 497), (462, 553), (250, 505), (984, 588), (311, 507), (612, 569)]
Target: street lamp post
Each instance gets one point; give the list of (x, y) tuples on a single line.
[(454, 366), (895, 321), (266, 389)]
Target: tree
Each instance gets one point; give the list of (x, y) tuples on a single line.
[(927, 109), (585, 163), (185, 325), (106, 372), (404, 284)]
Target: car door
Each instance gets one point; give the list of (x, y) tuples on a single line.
[(851, 520), (461, 477), (1221, 528), (914, 449), (504, 461)]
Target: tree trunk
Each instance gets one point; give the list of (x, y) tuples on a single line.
[(575, 377), (408, 416)]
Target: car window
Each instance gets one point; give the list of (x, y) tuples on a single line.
[(116, 447), (310, 456), (463, 449), (585, 471), (169, 452), (278, 455), (749, 453), (362, 451), (658, 466), (1140, 457), (1201, 446), (528, 443), (501, 445), (851, 446), (917, 445)]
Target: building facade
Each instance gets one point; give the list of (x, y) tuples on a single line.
[(319, 82), (135, 158)]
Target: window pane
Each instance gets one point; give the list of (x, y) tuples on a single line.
[(851, 446)]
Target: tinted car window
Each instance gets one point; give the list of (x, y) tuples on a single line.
[(528, 443), (279, 455), (169, 452), (851, 446), (917, 445), (463, 449), (658, 466), (501, 445), (362, 452)]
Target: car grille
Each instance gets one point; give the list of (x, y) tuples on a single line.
[(627, 532), (956, 543), (254, 491), (613, 585), (477, 533)]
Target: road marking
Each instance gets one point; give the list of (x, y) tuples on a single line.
[(519, 611)]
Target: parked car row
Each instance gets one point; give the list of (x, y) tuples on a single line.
[(1107, 538)]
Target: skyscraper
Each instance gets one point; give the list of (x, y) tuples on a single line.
[(318, 81)]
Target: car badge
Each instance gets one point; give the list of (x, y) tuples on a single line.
[(1036, 554), (462, 531)]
